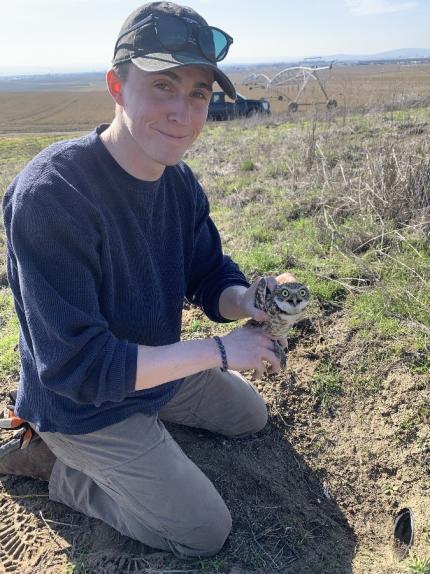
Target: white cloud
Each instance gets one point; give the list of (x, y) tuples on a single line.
[(366, 7)]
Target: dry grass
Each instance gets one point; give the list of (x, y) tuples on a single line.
[(367, 87)]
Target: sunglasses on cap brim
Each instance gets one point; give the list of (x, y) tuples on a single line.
[(176, 33)]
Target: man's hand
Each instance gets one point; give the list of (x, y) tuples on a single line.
[(247, 300), (238, 302), (249, 349)]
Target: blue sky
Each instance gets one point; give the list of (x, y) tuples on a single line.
[(62, 35)]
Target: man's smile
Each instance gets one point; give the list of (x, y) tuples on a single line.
[(172, 136)]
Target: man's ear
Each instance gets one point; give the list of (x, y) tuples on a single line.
[(114, 85)]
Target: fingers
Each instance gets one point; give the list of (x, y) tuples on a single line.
[(271, 282), (247, 303), (259, 315), (268, 364), (250, 349), (286, 278)]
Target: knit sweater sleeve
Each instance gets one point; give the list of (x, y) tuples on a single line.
[(55, 274), (212, 271)]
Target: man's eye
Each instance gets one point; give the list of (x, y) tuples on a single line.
[(162, 85), (200, 95)]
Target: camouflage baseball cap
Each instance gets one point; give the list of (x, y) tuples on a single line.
[(162, 35)]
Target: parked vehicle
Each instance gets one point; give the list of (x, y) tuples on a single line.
[(222, 108)]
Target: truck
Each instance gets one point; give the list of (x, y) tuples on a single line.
[(223, 108)]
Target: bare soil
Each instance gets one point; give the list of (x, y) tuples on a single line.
[(315, 492)]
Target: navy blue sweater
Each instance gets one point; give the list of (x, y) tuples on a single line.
[(98, 263)]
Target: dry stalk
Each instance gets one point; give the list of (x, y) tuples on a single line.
[(420, 277), (51, 532)]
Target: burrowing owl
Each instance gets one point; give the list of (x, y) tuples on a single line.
[(284, 305)]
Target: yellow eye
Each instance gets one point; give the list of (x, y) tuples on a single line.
[(303, 293), (285, 293)]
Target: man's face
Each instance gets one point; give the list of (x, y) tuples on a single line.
[(164, 112)]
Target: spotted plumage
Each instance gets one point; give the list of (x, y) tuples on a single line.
[(284, 305)]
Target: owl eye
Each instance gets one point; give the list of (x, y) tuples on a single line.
[(303, 293), (285, 292)]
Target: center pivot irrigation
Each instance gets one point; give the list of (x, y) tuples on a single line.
[(293, 77)]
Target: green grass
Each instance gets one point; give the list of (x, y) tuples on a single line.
[(259, 260), (421, 363), (9, 358), (17, 151), (418, 565), (247, 165), (376, 272), (325, 384)]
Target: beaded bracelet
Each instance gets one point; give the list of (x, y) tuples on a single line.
[(223, 353)]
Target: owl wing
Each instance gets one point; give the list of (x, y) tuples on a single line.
[(261, 294)]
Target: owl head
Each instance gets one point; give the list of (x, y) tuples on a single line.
[(291, 298)]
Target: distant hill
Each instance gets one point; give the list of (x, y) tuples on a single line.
[(401, 54), (84, 81), (95, 81)]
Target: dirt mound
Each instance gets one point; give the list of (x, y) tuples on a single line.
[(314, 492)]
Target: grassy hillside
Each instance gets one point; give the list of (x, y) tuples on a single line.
[(343, 202)]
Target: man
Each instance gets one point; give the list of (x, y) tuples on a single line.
[(107, 234)]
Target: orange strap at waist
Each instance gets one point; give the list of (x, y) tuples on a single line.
[(11, 421)]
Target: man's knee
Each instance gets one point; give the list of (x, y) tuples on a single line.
[(207, 537), (253, 417), (259, 418), (256, 415), (214, 535)]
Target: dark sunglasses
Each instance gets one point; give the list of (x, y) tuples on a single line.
[(175, 33)]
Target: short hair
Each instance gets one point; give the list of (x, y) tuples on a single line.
[(122, 70)]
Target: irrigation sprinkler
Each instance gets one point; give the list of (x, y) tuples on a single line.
[(296, 78)]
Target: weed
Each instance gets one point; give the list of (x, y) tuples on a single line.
[(247, 165), (80, 567), (216, 565), (421, 364), (423, 443), (419, 565), (390, 489), (325, 384), (408, 427), (195, 326), (423, 414)]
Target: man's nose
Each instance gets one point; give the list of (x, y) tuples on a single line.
[(180, 111)]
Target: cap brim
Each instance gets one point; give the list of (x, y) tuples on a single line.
[(161, 61)]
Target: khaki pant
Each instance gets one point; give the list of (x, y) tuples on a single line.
[(135, 477)]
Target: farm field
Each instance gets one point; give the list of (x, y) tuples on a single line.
[(340, 198), (47, 108)]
